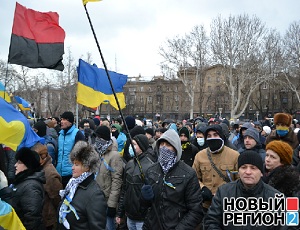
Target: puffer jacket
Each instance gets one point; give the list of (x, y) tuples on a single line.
[(28, 198), (110, 178), (177, 200), (131, 189), (90, 205), (214, 217)]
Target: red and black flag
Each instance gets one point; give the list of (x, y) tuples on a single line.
[(37, 40)]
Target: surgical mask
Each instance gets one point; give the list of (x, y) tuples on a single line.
[(282, 133), (131, 152), (200, 141), (215, 144)]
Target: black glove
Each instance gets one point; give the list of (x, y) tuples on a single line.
[(111, 212), (147, 192), (206, 194)]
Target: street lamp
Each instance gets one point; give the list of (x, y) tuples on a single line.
[(257, 114), (220, 112)]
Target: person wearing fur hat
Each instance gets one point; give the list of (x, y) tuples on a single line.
[(278, 171), (216, 165), (252, 142), (189, 150), (28, 190), (250, 184), (129, 203), (283, 131), (52, 186), (110, 173), (83, 204), (171, 190), (67, 138)]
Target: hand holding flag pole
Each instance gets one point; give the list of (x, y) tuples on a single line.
[(110, 82)]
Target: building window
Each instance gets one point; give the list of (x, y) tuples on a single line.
[(149, 99), (275, 96), (176, 97), (176, 88), (149, 89), (132, 89), (141, 99), (265, 86), (142, 88), (176, 108)]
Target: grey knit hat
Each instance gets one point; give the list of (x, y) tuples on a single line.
[(252, 132), (87, 155)]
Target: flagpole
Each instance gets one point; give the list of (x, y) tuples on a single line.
[(112, 87)]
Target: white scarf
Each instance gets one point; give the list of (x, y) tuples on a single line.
[(68, 195)]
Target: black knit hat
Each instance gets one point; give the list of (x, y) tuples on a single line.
[(68, 116), (142, 141), (216, 128), (150, 131), (103, 132), (130, 121), (137, 130), (41, 128), (185, 131), (250, 157), (29, 158)]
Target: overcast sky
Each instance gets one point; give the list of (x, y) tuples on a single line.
[(131, 31)]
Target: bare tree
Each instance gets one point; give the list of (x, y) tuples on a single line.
[(239, 44), (188, 57)]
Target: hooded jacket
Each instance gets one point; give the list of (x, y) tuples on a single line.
[(177, 200)]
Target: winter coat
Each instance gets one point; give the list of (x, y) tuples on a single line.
[(189, 152), (285, 179), (90, 205), (52, 198), (207, 176), (28, 198), (177, 195), (214, 217), (179, 207), (110, 179), (290, 138), (131, 189)]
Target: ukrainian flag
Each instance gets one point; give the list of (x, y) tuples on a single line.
[(15, 131), (3, 93), (23, 105), (86, 1), (94, 88)]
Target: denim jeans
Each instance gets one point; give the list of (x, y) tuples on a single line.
[(134, 224), (110, 223)]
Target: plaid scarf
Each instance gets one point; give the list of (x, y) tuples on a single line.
[(68, 195), (167, 158)]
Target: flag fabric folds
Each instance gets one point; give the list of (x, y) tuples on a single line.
[(94, 88), (3, 93), (15, 131), (37, 40), (23, 105), (86, 1)]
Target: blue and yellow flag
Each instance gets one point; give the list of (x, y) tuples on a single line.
[(23, 105), (94, 88), (3, 93), (15, 131), (86, 1), (9, 218)]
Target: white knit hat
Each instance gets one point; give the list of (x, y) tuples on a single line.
[(3, 180), (267, 129)]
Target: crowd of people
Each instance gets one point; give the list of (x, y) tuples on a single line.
[(135, 175)]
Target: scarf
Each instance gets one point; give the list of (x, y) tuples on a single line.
[(102, 145), (167, 158), (68, 195)]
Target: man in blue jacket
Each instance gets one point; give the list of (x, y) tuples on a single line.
[(68, 136)]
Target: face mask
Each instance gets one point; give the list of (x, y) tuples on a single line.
[(130, 150), (200, 141), (215, 144), (282, 133), (167, 158)]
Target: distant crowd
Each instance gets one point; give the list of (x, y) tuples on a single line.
[(133, 174)]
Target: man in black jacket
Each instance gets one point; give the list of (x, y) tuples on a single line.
[(171, 189), (249, 187)]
